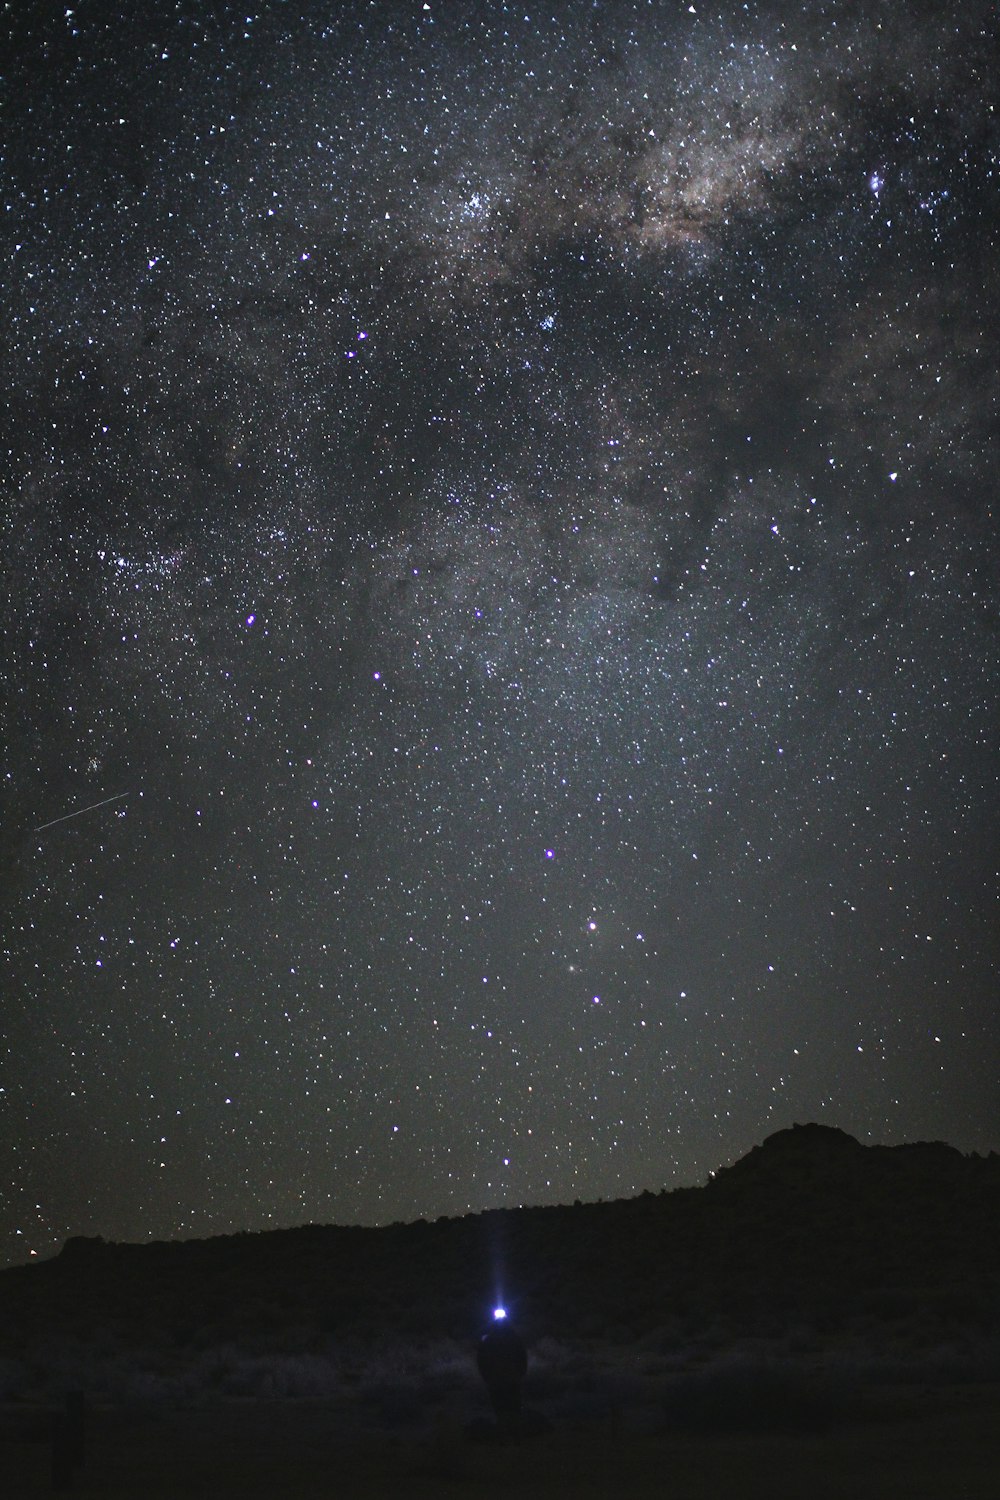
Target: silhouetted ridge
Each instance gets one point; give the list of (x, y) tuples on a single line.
[(810, 1158), (803, 1147), (810, 1229)]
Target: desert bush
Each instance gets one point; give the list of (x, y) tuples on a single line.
[(961, 1361), (13, 1378), (396, 1361), (230, 1371), (741, 1393)]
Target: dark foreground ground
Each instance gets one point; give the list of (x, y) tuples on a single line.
[(917, 1442), (821, 1320)]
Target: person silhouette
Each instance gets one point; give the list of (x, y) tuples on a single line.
[(502, 1361)]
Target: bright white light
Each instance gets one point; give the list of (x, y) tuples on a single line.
[(499, 1313)]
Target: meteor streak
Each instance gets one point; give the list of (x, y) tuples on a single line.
[(80, 811)]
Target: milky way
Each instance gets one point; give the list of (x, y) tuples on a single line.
[(500, 629)]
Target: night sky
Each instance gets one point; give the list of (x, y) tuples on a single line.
[(498, 524)]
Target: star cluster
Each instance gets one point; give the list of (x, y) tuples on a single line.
[(500, 638)]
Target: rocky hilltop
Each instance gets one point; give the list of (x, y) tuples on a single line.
[(812, 1234)]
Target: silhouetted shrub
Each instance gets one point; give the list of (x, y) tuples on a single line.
[(740, 1393)]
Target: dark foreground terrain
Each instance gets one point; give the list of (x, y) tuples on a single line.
[(822, 1319), (921, 1443)]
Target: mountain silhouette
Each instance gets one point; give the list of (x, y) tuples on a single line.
[(810, 1230)]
